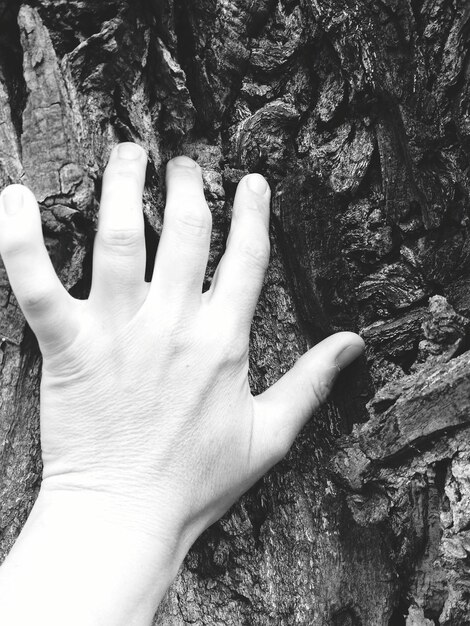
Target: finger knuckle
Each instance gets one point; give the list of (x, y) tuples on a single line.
[(195, 221), (234, 352), (121, 239), (37, 300), (254, 207), (231, 348), (16, 246), (128, 175), (256, 252), (320, 390), (172, 336)]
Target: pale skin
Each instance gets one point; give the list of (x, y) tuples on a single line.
[(149, 431)]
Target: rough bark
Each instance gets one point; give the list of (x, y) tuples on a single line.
[(358, 112)]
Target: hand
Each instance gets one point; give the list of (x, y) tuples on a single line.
[(145, 398)]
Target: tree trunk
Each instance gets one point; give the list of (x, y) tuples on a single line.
[(358, 113)]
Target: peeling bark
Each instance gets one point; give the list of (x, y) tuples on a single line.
[(358, 114)]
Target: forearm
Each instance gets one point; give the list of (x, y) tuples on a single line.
[(73, 564)]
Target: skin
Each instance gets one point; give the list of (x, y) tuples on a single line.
[(149, 431)]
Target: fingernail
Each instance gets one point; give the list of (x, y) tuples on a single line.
[(129, 151), (257, 183), (184, 161), (12, 199), (348, 355)]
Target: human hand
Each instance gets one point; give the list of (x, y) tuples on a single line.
[(145, 398), (145, 394)]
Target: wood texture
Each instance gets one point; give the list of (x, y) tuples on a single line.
[(358, 113)]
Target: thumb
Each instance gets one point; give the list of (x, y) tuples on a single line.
[(283, 410)]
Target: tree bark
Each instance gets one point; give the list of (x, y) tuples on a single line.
[(358, 113)]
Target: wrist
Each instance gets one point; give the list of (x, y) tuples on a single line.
[(96, 513), (154, 507), (98, 565)]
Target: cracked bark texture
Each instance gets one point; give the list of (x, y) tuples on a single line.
[(358, 113)]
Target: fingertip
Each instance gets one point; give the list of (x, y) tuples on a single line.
[(252, 201), (14, 197), (129, 151), (350, 347), (256, 183)]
